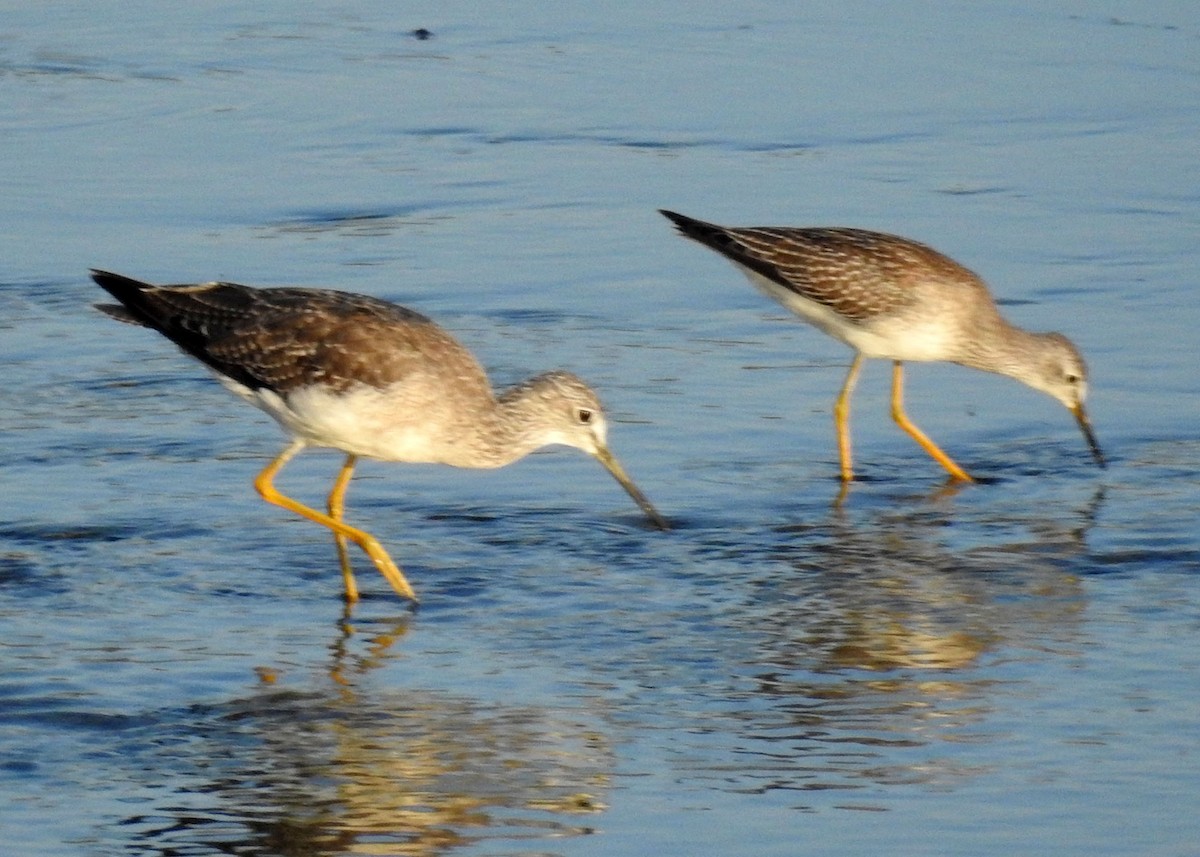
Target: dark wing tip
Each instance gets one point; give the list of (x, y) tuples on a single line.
[(728, 242), (119, 313), (130, 292), (117, 285), (101, 277), (684, 223), (709, 234)]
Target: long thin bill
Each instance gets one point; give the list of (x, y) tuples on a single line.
[(614, 467), (1086, 427)]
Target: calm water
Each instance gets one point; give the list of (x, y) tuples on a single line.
[(1008, 668)]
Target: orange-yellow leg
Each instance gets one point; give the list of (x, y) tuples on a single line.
[(915, 433), (264, 484), (337, 506), (841, 418)]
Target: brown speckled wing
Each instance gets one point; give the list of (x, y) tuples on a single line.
[(857, 273), (284, 339)]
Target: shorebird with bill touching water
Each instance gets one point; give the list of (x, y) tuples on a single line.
[(896, 299), (369, 378)]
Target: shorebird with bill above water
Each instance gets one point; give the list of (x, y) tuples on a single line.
[(369, 378), (893, 298)]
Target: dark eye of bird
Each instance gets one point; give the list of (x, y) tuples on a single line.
[(1072, 378), (585, 416)]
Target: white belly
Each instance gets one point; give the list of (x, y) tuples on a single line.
[(887, 337), (359, 421)]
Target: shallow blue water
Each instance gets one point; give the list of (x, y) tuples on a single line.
[(999, 669)]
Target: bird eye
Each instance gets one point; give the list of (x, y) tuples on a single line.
[(1072, 378), (585, 416)]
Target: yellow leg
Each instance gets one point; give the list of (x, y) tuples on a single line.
[(337, 506), (264, 484), (915, 433), (841, 418)]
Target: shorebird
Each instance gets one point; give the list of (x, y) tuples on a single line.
[(893, 298), (369, 378)]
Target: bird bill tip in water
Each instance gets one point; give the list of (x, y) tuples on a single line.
[(614, 467), (1086, 427)]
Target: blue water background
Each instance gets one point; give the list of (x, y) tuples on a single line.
[(1009, 668)]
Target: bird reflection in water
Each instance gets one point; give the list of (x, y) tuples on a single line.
[(355, 768), (867, 638)]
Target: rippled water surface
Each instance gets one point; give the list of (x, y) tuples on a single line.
[(1005, 668)]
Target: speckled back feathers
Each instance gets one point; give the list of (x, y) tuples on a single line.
[(857, 273), (284, 339)]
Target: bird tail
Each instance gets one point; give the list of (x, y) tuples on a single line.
[(128, 291)]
